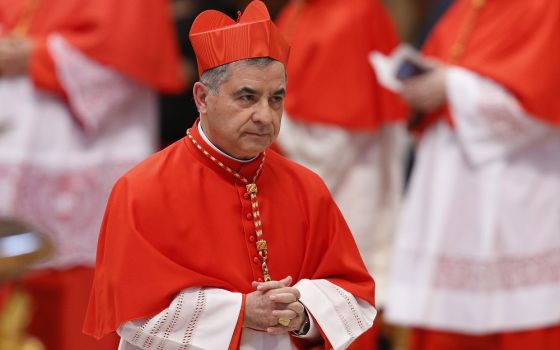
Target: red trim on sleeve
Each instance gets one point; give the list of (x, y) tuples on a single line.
[(42, 69)]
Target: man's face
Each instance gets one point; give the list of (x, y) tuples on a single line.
[(243, 117)]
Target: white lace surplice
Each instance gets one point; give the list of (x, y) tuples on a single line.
[(58, 160), (478, 248), (364, 172)]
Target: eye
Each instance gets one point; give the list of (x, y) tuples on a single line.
[(247, 98), (276, 100)]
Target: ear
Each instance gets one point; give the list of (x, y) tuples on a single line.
[(200, 94)]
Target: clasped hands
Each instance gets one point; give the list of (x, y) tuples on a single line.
[(273, 301)]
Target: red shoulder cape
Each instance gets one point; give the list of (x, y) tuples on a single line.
[(329, 77), (135, 37), (513, 42), (178, 220)]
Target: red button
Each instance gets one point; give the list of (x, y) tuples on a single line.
[(249, 216), (252, 238), (256, 260), (246, 195), (259, 279)]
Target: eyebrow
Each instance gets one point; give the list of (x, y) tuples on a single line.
[(248, 90), (280, 91), (244, 90)]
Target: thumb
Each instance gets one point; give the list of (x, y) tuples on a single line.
[(286, 281)]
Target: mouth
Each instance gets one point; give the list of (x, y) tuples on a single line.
[(257, 134)]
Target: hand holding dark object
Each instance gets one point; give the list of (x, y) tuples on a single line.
[(426, 92), (410, 68)]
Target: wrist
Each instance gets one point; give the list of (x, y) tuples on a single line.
[(305, 324)]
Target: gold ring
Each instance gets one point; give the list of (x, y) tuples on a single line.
[(284, 321)]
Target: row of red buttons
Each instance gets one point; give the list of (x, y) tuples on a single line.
[(257, 261), (252, 238)]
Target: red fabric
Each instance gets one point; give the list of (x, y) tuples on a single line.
[(542, 339), (236, 337), (218, 39), (59, 301), (135, 37), (368, 340), (189, 228), (5, 294), (513, 42), (330, 79)]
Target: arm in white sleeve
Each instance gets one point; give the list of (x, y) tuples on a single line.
[(489, 121), (341, 316), (198, 318), (96, 93)]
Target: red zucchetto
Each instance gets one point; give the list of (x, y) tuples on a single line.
[(217, 39)]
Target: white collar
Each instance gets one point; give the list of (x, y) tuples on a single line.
[(219, 150)]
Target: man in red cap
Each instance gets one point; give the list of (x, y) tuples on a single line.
[(217, 242)]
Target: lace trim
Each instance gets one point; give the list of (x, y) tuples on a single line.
[(155, 330), (174, 319), (352, 305), (341, 309), (191, 327), (136, 338), (54, 202), (506, 273)]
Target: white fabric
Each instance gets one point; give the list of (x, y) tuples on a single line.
[(478, 247), (341, 316), (56, 167), (209, 143), (198, 318), (364, 172), (205, 318)]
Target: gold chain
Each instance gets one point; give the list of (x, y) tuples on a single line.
[(251, 188), (22, 26), (458, 49)]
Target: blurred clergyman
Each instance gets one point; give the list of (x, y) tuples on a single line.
[(478, 250), (77, 108)]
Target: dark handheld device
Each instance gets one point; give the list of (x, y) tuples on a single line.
[(409, 69)]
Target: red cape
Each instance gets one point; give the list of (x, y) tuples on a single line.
[(178, 220), (134, 37), (329, 77), (513, 42)]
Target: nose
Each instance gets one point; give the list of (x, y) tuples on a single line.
[(263, 113)]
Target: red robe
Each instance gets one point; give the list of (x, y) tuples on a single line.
[(331, 80), (513, 42), (178, 220), (136, 38)]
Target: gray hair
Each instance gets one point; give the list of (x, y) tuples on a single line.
[(215, 77)]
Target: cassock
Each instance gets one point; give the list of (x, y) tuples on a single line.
[(85, 113), (335, 105), (177, 251), (478, 249)]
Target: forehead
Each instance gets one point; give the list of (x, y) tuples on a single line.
[(272, 75)]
